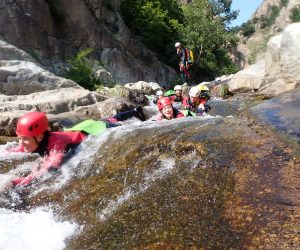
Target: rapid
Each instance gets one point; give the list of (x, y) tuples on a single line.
[(226, 180)]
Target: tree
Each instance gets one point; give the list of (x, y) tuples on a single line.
[(206, 31), (155, 22)]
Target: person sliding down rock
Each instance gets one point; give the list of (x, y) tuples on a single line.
[(34, 137)]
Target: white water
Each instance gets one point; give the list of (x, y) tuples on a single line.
[(36, 230), (39, 228)]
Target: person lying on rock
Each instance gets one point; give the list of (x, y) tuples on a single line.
[(178, 94), (196, 101), (159, 95), (35, 137), (167, 111)]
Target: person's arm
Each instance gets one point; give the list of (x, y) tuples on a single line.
[(53, 160)]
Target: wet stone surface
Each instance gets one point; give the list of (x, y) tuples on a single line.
[(194, 183)]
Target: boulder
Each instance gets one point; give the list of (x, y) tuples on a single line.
[(23, 77), (10, 52), (147, 88), (62, 103), (248, 79)]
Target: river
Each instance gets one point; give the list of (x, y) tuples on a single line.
[(224, 181)]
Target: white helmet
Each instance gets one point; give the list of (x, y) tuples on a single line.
[(177, 87), (159, 92), (194, 91), (177, 44)]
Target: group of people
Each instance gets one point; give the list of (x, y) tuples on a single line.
[(194, 104), (35, 136)]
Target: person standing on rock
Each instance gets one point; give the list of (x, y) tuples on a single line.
[(35, 137), (183, 63)]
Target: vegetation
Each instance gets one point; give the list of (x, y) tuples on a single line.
[(81, 70), (156, 23), (200, 26), (284, 3), (295, 14), (269, 19), (206, 33), (247, 28)]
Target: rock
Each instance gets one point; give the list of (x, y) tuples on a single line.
[(147, 88), (282, 62), (290, 53), (22, 77), (63, 103), (277, 87), (248, 79), (104, 77), (132, 95), (54, 31), (10, 52), (112, 106)]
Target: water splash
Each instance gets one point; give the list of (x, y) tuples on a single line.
[(35, 230), (166, 168)]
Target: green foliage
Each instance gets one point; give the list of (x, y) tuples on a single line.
[(284, 3), (295, 14), (269, 19), (156, 23), (224, 90), (81, 70), (205, 32), (247, 29)]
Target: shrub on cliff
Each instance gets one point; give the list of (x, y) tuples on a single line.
[(82, 70)]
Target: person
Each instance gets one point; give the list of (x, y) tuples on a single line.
[(35, 137), (194, 103), (167, 111), (183, 63), (178, 94), (159, 95)]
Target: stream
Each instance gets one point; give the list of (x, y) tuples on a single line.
[(228, 180)]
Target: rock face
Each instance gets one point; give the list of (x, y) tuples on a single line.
[(53, 31), (253, 48), (278, 72)]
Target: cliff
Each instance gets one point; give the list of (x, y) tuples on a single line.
[(53, 31)]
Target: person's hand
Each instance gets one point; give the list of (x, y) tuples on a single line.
[(199, 112)]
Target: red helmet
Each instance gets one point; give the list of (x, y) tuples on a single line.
[(32, 124), (163, 102)]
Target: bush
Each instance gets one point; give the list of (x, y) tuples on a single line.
[(283, 3), (156, 23), (81, 70), (295, 14), (247, 29), (273, 13)]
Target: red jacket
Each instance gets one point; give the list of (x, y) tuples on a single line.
[(53, 147)]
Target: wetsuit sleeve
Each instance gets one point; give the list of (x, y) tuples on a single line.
[(16, 149), (53, 160), (180, 115), (185, 103)]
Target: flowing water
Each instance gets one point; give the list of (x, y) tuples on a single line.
[(224, 181)]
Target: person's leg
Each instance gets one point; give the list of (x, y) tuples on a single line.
[(136, 112)]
